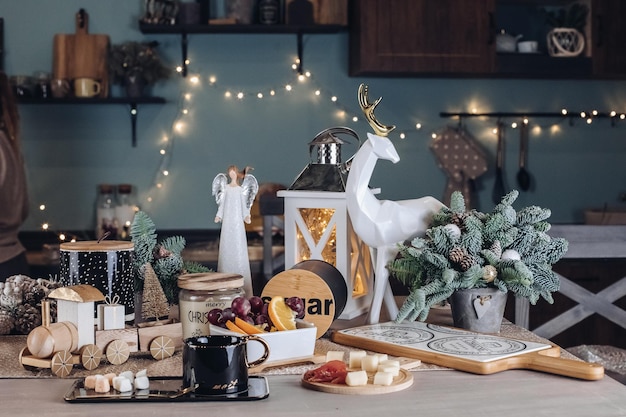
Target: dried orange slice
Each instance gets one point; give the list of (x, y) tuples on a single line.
[(232, 326), (247, 327), (283, 317)]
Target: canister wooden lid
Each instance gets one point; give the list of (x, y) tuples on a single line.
[(96, 246), (210, 281), (319, 284)]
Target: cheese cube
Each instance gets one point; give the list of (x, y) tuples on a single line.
[(390, 362), (355, 358), (382, 357), (369, 363), (334, 355), (356, 378), (383, 378), (390, 369)]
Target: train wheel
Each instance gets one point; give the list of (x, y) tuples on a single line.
[(62, 363), (90, 357), (26, 352), (162, 347), (117, 352)]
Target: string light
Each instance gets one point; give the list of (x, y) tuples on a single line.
[(342, 112)]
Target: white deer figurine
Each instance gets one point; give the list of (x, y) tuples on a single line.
[(382, 224)]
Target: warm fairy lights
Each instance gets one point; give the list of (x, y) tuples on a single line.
[(344, 113)]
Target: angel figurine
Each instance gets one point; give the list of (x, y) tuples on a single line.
[(234, 201)]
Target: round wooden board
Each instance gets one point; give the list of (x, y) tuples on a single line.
[(401, 382)]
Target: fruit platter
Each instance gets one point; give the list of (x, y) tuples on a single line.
[(279, 321)]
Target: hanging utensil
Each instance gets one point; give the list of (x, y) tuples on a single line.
[(523, 176), (498, 187)]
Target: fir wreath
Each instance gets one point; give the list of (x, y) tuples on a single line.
[(506, 249)]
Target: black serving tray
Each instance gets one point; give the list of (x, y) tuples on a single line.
[(160, 391)]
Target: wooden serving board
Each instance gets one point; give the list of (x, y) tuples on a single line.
[(401, 382), (466, 351), (81, 55)]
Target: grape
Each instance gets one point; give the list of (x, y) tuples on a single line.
[(241, 307), (228, 315), (215, 316), (264, 309), (261, 319), (256, 304), (297, 305)]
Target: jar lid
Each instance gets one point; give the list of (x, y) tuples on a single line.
[(96, 246), (210, 281)]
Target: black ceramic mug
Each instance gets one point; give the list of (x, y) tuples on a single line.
[(219, 364)]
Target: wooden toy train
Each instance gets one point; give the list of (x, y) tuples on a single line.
[(74, 340)]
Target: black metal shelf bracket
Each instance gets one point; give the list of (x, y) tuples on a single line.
[(184, 44), (300, 48), (133, 123)]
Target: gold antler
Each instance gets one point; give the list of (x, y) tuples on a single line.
[(368, 110)]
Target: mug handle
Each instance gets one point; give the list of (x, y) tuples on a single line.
[(97, 88), (263, 357)]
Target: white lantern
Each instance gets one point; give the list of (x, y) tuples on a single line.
[(317, 224)]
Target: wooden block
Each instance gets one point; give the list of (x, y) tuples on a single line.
[(148, 333), (129, 335)]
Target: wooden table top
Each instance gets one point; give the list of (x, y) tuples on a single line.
[(511, 393)]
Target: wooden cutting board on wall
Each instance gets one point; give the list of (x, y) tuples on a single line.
[(81, 55)]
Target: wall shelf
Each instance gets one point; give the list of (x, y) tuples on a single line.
[(133, 102), (185, 30), (569, 115)]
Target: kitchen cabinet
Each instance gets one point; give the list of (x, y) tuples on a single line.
[(408, 37), (456, 38)]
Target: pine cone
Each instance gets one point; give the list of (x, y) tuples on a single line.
[(457, 254), (496, 248), (7, 322), (467, 262), (27, 318), (457, 218), (34, 296)]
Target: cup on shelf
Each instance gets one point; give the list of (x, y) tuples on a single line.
[(59, 87), (527, 47), (86, 87)]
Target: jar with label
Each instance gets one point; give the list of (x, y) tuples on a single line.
[(202, 292)]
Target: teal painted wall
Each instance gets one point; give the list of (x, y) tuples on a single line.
[(71, 148)]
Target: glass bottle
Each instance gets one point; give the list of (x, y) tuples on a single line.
[(269, 12), (125, 210), (105, 213)]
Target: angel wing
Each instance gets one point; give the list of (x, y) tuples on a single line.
[(250, 187), (219, 185)]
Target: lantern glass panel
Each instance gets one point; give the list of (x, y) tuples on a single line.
[(319, 239)]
